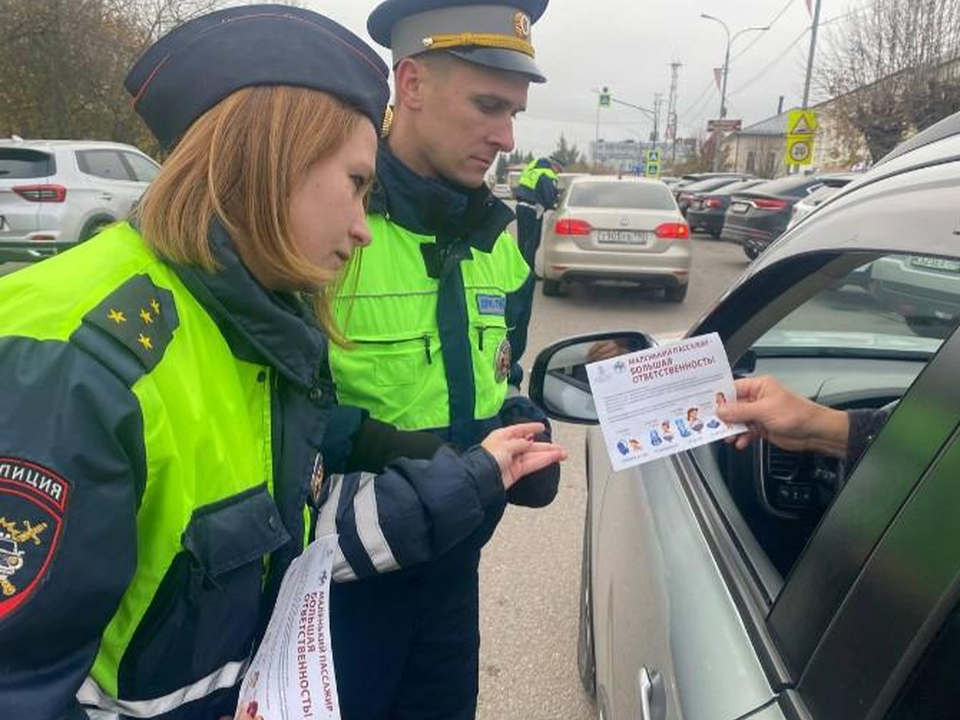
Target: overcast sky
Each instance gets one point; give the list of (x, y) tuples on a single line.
[(628, 46)]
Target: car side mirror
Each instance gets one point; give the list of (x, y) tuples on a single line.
[(559, 384)]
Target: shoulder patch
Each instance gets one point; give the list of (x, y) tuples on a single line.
[(140, 316), (32, 503)]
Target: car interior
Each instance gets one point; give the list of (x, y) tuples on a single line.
[(857, 344)]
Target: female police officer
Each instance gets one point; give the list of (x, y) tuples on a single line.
[(163, 405)]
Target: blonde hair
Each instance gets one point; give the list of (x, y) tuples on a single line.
[(238, 163)]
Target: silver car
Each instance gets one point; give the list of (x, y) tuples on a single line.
[(777, 585), (617, 229), (56, 193)]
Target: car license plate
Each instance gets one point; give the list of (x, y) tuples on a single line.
[(933, 263), (739, 207), (621, 237)]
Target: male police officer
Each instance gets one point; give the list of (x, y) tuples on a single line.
[(536, 193), (437, 312)]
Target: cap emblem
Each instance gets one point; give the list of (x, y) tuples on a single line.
[(521, 25)]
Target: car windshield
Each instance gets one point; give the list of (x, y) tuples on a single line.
[(621, 195), (897, 305)]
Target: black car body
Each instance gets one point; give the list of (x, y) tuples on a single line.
[(691, 192), (776, 585), (758, 216), (687, 180), (707, 210)]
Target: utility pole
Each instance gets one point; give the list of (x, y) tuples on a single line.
[(672, 109), (813, 50), (657, 104)]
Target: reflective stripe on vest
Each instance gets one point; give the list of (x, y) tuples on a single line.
[(396, 368), (227, 676)]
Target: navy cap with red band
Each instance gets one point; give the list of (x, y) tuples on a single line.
[(199, 63)]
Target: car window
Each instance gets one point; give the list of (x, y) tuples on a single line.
[(631, 195), (904, 304), (20, 163), (796, 186), (857, 344), (144, 169), (105, 164)]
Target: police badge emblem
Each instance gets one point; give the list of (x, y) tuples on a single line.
[(503, 360), (33, 500), (521, 25)]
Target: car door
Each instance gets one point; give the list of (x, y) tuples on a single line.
[(111, 186), (687, 587)]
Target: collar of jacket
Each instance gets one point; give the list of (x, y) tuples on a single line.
[(434, 207), (260, 326)]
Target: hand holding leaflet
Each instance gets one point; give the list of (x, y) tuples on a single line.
[(655, 403)]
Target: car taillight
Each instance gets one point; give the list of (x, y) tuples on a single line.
[(42, 193), (712, 202), (572, 226), (673, 231), (766, 204)]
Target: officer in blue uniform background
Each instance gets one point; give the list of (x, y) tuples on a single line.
[(537, 192), (437, 316)]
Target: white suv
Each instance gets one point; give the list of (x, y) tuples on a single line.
[(56, 193)]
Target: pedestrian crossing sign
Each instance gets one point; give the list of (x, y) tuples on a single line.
[(801, 130)]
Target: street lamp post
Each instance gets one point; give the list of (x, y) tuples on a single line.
[(726, 68)]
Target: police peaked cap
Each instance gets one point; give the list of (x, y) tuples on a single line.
[(199, 63), (493, 33)]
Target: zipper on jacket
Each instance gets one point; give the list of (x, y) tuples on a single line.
[(481, 329), (425, 339)]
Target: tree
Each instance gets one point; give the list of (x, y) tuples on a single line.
[(501, 170), (63, 62), (892, 68), (567, 155)]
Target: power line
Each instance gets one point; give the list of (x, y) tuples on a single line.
[(696, 102), (770, 65), (759, 36)]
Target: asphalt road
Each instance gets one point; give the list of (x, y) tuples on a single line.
[(530, 573)]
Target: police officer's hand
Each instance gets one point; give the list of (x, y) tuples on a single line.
[(518, 454)]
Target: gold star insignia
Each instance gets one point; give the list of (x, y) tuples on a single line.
[(116, 316), (145, 341), (156, 306), (145, 316)]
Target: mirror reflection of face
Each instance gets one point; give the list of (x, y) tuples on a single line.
[(327, 214)]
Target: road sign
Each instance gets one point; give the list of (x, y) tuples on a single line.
[(800, 151), (653, 156), (801, 129), (653, 167), (724, 125), (605, 98), (802, 122)]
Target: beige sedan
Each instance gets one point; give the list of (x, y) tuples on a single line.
[(617, 229)]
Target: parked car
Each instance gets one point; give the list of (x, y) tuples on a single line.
[(811, 202), (687, 180), (776, 585), (758, 216), (690, 192), (924, 290), (56, 193), (707, 209), (607, 228)]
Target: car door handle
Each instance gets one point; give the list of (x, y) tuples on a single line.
[(106, 196), (653, 696)]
